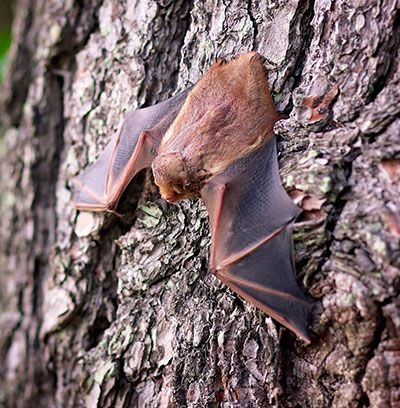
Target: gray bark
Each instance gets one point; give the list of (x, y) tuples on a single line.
[(102, 311)]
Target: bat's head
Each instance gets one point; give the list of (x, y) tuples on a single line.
[(171, 176)]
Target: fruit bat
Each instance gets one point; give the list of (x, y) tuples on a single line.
[(216, 141)]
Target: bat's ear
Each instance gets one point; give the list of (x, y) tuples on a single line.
[(170, 175)]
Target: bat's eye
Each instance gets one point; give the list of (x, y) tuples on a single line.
[(177, 188)]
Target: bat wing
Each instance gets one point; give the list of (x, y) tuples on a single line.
[(252, 250), (101, 185)]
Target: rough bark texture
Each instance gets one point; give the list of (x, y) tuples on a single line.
[(101, 311)]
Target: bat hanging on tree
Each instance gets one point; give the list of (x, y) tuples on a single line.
[(216, 141)]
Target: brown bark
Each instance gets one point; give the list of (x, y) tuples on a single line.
[(5, 14), (101, 311)]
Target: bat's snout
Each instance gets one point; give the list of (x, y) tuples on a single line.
[(168, 195)]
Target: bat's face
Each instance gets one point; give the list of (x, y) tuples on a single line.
[(171, 176)]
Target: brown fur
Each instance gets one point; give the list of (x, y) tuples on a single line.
[(228, 114)]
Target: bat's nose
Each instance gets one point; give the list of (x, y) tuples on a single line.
[(171, 198), (168, 194)]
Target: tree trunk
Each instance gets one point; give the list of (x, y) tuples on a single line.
[(109, 312)]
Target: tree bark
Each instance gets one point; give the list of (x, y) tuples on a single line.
[(109, 312)]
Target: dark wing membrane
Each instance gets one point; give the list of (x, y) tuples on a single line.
[(89, 188), (101, 185), (252, 251)]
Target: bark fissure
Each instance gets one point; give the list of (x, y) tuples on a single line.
[(305, 16), (253, 23), (390, 65)]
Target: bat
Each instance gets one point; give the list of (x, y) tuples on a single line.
[(216, 142)]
